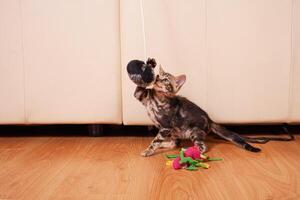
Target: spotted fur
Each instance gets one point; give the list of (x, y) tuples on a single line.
[(178, 118)]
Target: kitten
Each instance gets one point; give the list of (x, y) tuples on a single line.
[(178, 118)]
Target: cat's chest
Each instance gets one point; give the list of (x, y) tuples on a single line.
[(158, 113)]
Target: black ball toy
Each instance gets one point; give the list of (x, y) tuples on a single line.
[(142, 73)]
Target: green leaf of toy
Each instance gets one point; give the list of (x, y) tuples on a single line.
[(192, 168), (214, 159), (171, 156), (186, 159), (181, 155), (203, 165)]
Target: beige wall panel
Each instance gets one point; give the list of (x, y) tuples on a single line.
[(248, 47), (72, 61)]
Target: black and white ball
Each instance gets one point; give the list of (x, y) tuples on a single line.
[(142, 73)]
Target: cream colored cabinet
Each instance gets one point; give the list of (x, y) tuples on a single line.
[(65, 61), (236, 55), (11, 67)]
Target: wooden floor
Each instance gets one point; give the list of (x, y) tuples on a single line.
[(112, 168)]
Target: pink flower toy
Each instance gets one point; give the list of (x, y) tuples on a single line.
[(189, 159)]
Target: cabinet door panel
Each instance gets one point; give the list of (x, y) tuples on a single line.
[(175, 36), (294, 109), (72, 61), (249, 51)]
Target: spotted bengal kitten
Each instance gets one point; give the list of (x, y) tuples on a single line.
[(178, 118)]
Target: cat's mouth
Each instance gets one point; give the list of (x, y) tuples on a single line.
[(154, 84), (156, 87)]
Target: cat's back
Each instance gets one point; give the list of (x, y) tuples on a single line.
[(190, 109)]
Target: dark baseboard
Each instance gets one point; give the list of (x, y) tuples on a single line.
[(121, 130)]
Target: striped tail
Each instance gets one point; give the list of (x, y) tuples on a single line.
[(233, 137)]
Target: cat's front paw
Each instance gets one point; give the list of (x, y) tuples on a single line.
[(147, 152)]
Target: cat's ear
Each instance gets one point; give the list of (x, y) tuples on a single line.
[(161, 70), (180, 80)]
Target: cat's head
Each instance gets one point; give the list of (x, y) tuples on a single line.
[(167, 83)]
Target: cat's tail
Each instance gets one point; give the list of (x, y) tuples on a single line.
[(233, 137), (263, 140)]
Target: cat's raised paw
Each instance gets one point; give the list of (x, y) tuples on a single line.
[(147, 152)]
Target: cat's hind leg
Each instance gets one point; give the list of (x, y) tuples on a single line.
[(197, 137)]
